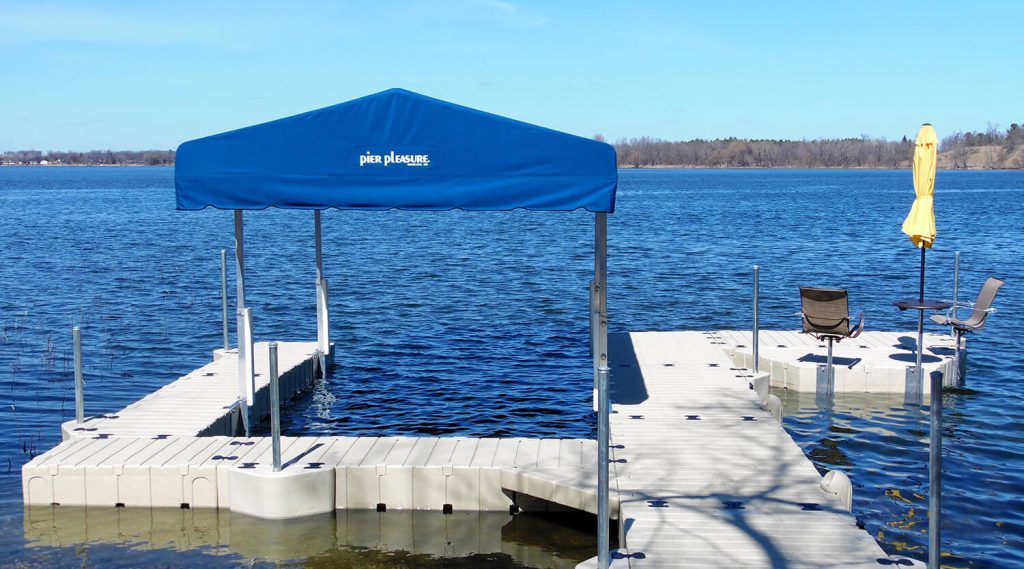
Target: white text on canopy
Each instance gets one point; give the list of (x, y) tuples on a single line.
[(393, 158)]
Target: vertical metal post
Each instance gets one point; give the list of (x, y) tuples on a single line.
[(239, 261), (956, 285), (323, 330), (955, 314), (595, 327), (244, 341), (603, 447), (76, 337), (224, 294), (601, 268), (275, 409), (757, 323), (323, 338), (319, 247), (920, 344), (245, 348), (599, 298), (935, 475)]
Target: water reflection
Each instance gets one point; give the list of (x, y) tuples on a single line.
[(881, 441), (348, 538)]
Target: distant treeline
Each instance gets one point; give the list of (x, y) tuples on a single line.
[(92, 157), (993, 148), (990, 149)]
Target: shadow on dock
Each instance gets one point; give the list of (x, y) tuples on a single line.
[(627, 379)]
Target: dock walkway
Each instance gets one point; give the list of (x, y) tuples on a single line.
[(707, 478)]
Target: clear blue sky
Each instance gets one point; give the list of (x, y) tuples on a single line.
[(138, 75)]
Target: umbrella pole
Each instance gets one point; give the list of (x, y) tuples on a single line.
[(920, 320), (922, 272)]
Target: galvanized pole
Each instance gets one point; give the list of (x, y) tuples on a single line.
[(599, 298), (319, 248), (323, 338), (239, 261), (275, 409), (595, 326), (76, 336), (224, 294), (757, 322), (603, 447), (955, 314), (244, 343), (935, 475), (956, 284), (601, 271)]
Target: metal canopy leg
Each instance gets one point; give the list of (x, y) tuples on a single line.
[(599, 299), (323, 339), (603, 449), (602, 401), (244, 343)]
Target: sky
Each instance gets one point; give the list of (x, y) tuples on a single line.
[(150, 75)]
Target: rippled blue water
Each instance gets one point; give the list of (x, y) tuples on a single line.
[(476, 323)]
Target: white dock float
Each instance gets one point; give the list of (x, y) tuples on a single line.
[(707, 478), (874, 362), (372, 473)]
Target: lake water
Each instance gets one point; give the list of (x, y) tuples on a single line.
[(475, 324)]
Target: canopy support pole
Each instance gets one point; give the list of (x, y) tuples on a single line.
[(602, 401), (603, 450), (244, 341), (599, 299), (319, 246), (323, 334)]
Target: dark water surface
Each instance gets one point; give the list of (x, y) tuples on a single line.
[(475, 324)]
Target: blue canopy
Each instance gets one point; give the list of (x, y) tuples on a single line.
[(396, 150)]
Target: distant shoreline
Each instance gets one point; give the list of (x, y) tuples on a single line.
[(620, 167)]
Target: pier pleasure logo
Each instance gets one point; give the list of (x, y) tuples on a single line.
[(393, 158)]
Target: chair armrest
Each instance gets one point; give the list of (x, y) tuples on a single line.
[(860, 326)]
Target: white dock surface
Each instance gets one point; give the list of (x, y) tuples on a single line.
[(705, 477), (200, 403)]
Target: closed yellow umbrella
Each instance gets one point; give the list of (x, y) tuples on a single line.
[(920, 222)]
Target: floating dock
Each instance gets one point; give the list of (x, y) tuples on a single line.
[(703, 475), (874, 362)]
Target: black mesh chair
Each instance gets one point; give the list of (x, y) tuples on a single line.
[(981, 308), (826, 316)]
